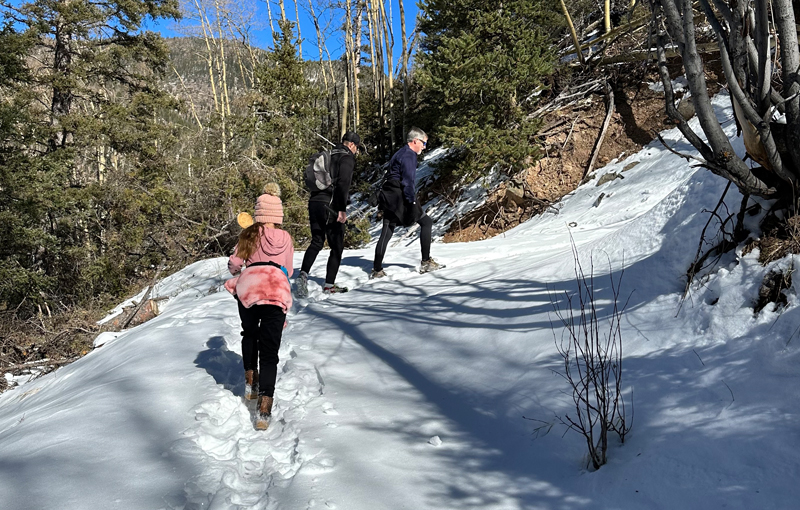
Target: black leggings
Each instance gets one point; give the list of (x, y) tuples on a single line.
[(262, 327), (426, 225), (321, 229)]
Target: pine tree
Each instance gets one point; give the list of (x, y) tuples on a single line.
[(85, 134), (479, 68), (21, 208), (287, 119)]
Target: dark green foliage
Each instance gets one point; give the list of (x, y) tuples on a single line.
[(78, 116), (480, 67), (287, 120), (356, 233)]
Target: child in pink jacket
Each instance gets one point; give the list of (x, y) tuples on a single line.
[(264, 295)]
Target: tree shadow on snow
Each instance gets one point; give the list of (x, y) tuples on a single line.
[(502, 466)]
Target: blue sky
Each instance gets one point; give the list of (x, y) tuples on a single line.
[(330, 21)]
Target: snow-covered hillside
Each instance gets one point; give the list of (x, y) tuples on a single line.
[(421, 391)]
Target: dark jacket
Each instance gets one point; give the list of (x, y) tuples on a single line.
[(398, 199), (343, 162), (403, 168)]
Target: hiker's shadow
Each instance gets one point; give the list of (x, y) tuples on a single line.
[(224, 365), (366, 264)]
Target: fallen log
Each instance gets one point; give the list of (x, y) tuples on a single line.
[(606, 122)]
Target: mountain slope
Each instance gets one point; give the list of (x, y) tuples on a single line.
[(413, 391)]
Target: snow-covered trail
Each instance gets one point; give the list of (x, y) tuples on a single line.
[(427, 391)]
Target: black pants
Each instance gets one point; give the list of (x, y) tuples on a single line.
[(324, 226), (262, 328), (426, 225)]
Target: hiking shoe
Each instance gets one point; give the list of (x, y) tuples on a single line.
[(334, 289), (301, 285), (251, 384), (377, 274), (264, 412), (429, 265)]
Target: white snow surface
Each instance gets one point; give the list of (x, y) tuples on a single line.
[(426, 391)]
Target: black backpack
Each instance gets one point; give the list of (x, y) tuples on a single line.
[(318, 171), (374, 197)]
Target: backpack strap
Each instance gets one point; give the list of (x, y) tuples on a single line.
[(335, 178), (271, 263)]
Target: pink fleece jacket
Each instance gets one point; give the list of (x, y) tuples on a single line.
[(264, 284)]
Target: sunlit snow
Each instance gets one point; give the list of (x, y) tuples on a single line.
[(427, 391)]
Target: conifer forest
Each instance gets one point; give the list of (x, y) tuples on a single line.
[(126, 154)]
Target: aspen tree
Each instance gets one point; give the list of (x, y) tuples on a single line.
[(743, 32), (371, 36), (283, 11), (357, 60), (404, 72), (348, 41), (572, 32), (319, 44), (389, 41), (299, 36)]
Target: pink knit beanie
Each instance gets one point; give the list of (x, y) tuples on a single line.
[(269, 208)]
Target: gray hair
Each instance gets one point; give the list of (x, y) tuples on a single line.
[(415, 133)]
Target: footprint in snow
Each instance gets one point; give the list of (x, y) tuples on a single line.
[(239, 462)]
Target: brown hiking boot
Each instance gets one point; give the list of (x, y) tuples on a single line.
[(264, 412), (251, 384)]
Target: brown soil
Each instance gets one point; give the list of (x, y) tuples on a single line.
[(566, 150), (639, 114)]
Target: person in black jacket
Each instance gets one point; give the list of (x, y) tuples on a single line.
[(399, 203), (327, 215)]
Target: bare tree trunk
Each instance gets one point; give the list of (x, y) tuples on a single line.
[(189, 96), (572, 32), (380, 84), (210, 52), (404, 75), (319, 44), (283, 10), (299, 36), (240, 27), (339, 121), (371, 15), (222, 62), (348, 41), (357, 61), (389, 42), (269, 15), (718, 153), (766, 143), (786, 25), (607, 15), (212, 62)]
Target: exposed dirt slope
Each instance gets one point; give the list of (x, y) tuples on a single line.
[(567, 147)]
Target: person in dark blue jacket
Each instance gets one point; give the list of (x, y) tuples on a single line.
[(399, 203)]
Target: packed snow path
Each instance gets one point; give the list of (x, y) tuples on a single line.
[(440, 391)]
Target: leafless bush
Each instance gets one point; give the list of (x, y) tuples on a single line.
[(591, 346), (40, 344)]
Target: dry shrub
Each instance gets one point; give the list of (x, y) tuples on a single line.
[(780, 239), (771, 290), (44, 342), (590, 344)]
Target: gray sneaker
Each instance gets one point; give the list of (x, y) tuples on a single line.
[(334, 289), (301, 285), (377, 274), (430, 265)]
